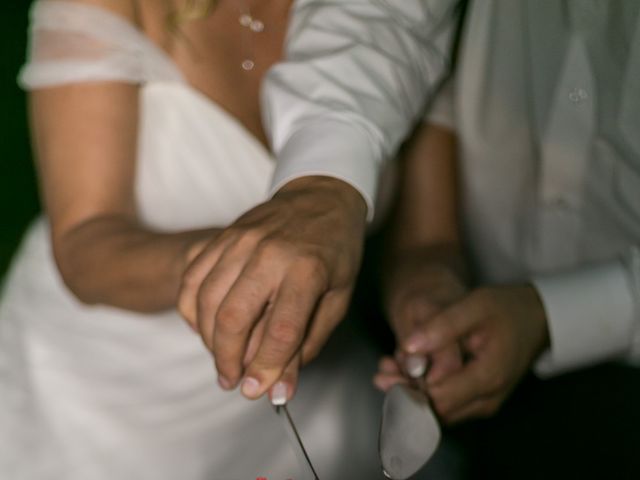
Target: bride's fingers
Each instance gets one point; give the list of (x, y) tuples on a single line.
[(192, 279), (384, 381), (387, 364)]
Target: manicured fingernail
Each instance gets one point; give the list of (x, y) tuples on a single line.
[(250, 387), (224, 383), (279, 394), (416, 365)]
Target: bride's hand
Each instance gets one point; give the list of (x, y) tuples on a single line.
[(420, 283), (290, 263)]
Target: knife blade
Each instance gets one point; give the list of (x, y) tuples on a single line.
[(296, 443)]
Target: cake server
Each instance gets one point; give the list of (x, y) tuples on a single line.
[(409, 432)]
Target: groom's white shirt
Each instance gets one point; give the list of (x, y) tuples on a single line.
[(545, 103), (356, 78), (358, 72)]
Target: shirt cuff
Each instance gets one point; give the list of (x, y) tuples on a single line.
[(330, 148), (590, 315)]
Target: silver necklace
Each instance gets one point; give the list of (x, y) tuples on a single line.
[(253, 26)]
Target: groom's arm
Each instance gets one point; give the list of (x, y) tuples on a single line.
[(357, 76)]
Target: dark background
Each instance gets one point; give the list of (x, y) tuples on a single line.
[(18, 193)]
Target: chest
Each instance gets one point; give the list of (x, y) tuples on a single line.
[(226, 53), (548, 117)]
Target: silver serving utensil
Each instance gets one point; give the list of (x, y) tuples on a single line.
[(306, 466), (409, 432)]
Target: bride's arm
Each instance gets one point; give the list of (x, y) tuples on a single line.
[(85, 141)]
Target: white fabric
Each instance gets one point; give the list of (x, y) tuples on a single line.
[(98, 393), (441, 111), (73, 42), (591, 316), (548, 121), (357, 75)]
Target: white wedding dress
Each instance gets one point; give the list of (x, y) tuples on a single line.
[(98, 393)]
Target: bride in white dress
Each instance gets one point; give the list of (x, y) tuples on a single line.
[(148, 140)]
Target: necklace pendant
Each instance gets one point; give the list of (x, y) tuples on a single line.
[(256, 26), (246, 20)]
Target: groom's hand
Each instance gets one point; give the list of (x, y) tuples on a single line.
[(288, 265), (502, 330)]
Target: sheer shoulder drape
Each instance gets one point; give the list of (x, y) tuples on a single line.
[(73, 42)]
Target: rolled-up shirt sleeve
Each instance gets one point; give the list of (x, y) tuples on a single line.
[(593, 315), (355, 78)]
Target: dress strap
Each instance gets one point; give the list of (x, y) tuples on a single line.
[(72, 42)]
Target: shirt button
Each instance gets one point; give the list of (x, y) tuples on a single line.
[(578, 95)]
